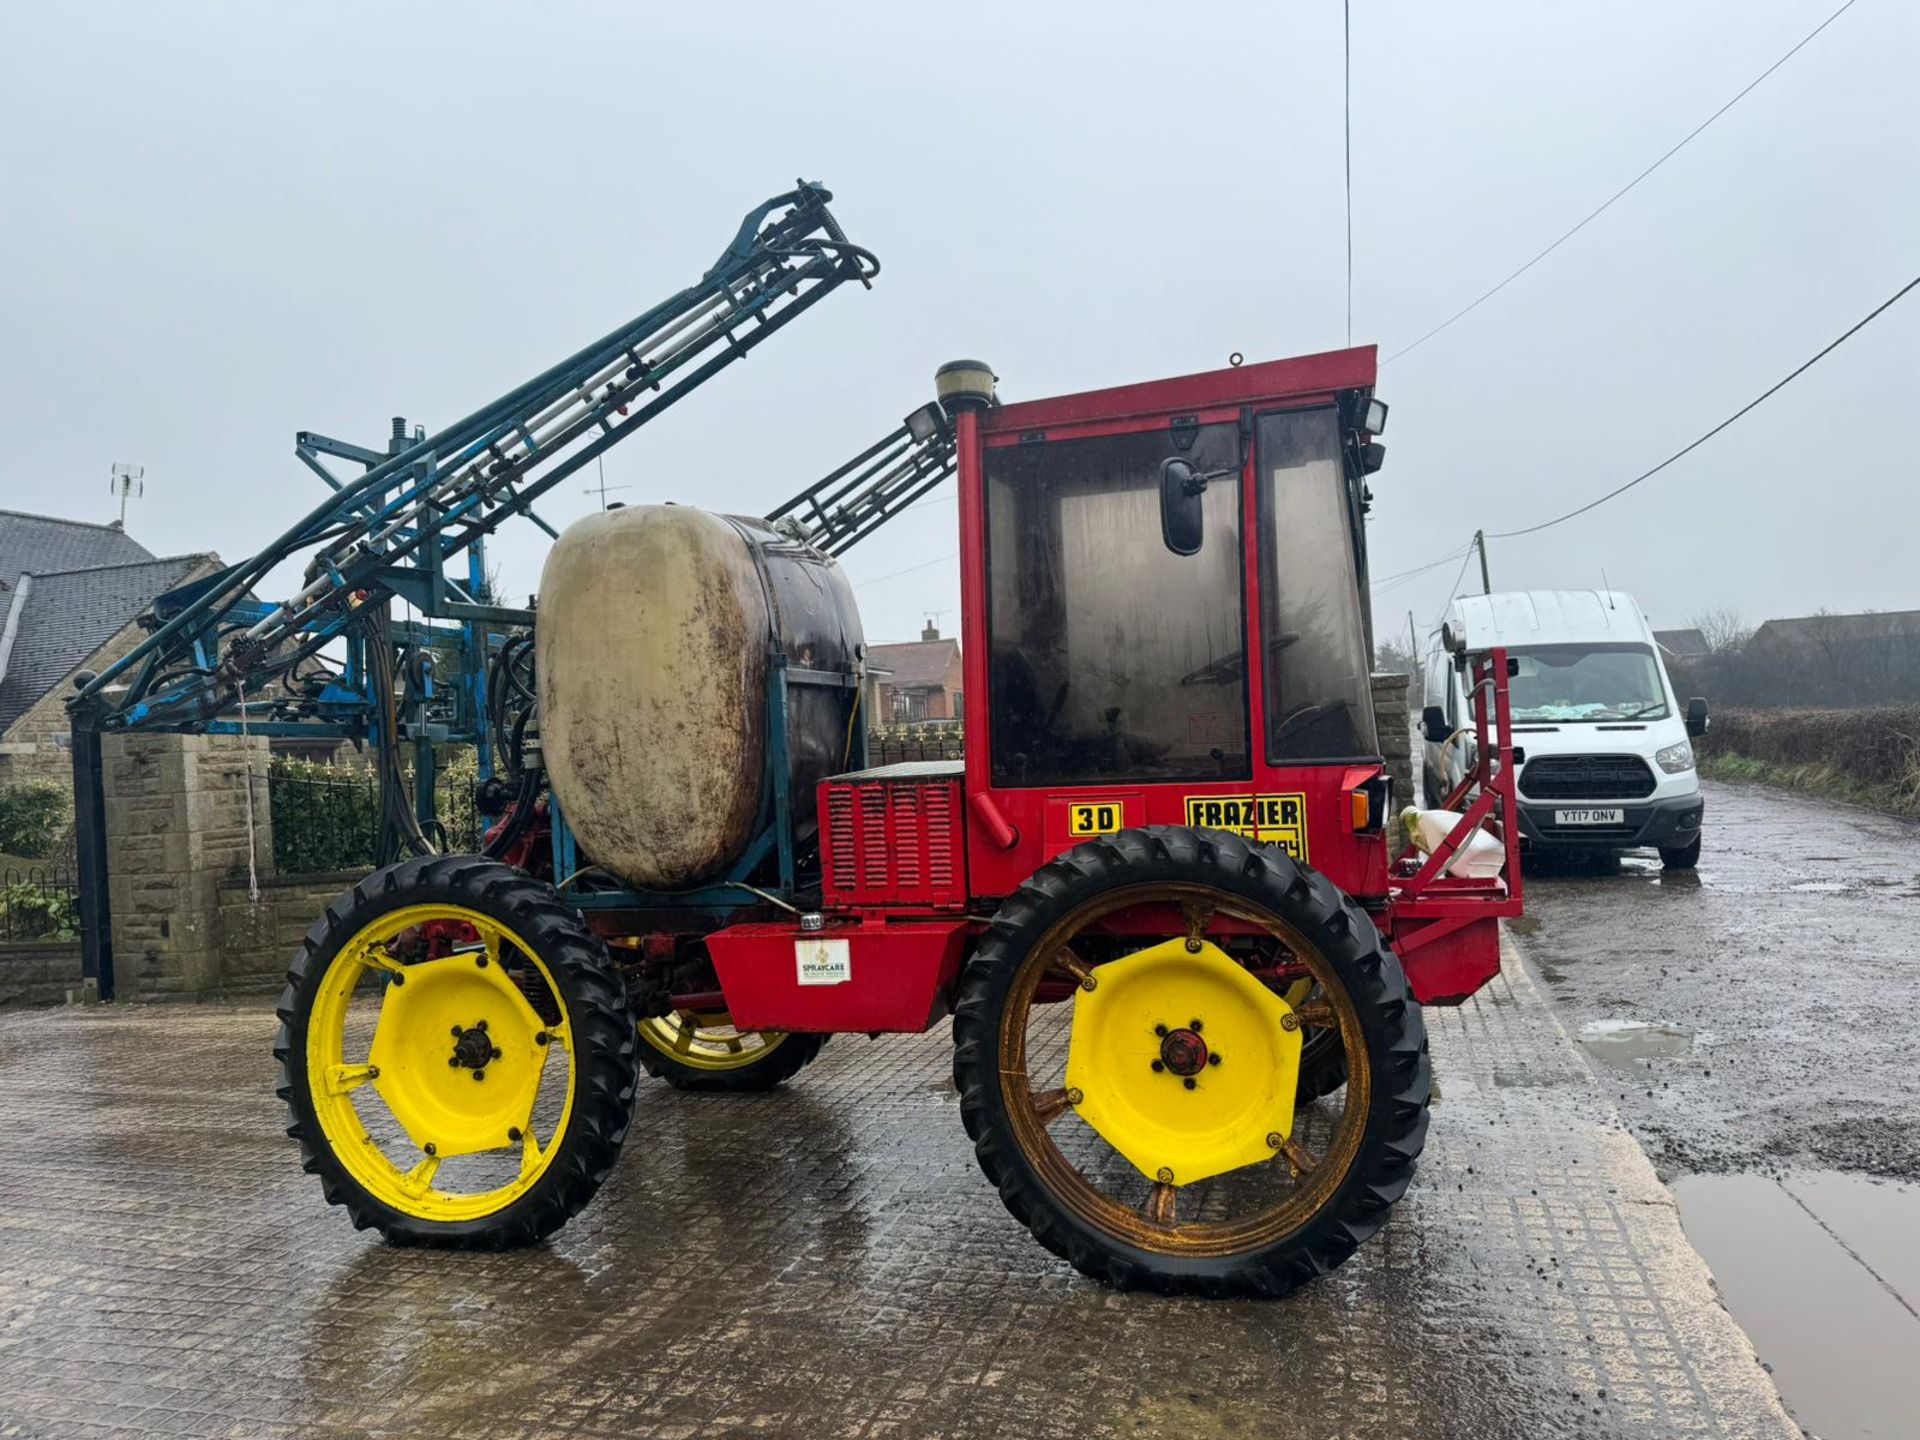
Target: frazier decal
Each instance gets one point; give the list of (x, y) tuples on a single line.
[(1274, 819)]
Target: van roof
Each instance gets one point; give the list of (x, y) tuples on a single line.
[(1549, 617)]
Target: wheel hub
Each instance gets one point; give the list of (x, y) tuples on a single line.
[(1176, 1112), (1183, 1052), (429, 1084), (473, 1047)]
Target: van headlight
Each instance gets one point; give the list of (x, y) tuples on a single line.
[(1675, 758)]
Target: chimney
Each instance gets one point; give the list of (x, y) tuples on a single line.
[(931, 632)]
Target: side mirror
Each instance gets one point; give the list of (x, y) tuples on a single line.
[(1181, 489), (1433, 724), (1697, 716)]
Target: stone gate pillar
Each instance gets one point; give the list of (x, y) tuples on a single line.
[(1396, 735), (176, 824)]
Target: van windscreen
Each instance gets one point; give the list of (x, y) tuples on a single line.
[(1576, 683)]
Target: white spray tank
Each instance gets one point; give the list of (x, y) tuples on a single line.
[(1480, 858)]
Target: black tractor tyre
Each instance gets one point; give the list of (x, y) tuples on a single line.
[(1683, 857), (1390, 1020), (779, 1065), (590, 990)]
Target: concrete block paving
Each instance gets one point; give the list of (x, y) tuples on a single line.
[(825, 1261)]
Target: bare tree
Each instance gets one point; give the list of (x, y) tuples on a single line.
[(1392, 659), (1723, 630)]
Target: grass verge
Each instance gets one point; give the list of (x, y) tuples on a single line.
[(1815, 778)]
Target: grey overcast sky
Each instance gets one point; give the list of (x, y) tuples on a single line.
[(225, 223)]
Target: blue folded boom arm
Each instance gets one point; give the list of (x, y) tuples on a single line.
[(396, 530), (412, 526)]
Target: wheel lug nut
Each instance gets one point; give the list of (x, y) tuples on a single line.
[(1214, 1059), (480, 1025), (541, 1038), (481, 961), (1193, 947), (1193, 1025), (1275, 1140), (496, 1055), (1074, 1097), (513, 1136), (1160, 1030), (1165, 1176), (1158, 1066), (458, 1032), (1190, 1083), (482, 1074), (431, 1148)]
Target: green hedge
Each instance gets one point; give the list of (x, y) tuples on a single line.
[(31, 817)]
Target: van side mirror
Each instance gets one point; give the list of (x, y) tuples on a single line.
[(1181, 489), (1433, 724), (1697, 716)]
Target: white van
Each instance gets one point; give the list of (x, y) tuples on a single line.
[(1602, 744)]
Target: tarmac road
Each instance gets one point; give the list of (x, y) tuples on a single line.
[(1790, 960), (1754, 1023)]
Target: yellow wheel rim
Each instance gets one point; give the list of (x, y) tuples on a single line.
[(457, 1060), (708, 1040)]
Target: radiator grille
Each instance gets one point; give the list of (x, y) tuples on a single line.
[(1586, 777), (893, 842)]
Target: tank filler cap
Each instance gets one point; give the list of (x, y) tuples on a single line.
[(964, 383)]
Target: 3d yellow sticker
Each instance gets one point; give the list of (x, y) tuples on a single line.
[(1102, 817), (1271, 819)]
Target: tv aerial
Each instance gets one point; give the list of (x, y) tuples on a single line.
[(128, 482)]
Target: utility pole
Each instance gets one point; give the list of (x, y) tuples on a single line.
[(1413, 647), (1480, 539)]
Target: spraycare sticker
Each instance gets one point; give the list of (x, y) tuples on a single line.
[(1271, 819), (823, 962)]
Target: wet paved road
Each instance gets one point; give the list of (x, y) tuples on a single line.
[(1791, 959), (824, 1262), (1755, 1024)]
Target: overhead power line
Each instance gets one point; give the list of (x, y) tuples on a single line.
[(1467, 560), (1607, 204), (896, 574), (1387, 582), (1753, 404), (1346, 96)]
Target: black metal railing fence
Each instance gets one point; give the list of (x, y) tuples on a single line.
[(38, 903)]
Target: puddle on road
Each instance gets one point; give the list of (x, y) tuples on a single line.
[(1626, 1043), (1822, 1270)]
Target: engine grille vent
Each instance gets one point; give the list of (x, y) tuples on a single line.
[(1586, 777), (893, 842)]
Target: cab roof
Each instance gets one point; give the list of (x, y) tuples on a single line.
[(1549, 617), (1270, 381)]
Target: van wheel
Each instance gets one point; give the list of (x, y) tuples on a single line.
[(1685, 858)]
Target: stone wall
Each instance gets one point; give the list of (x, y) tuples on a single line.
[(176, 826), (38, 972), (1396, 735), (256, 941)]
